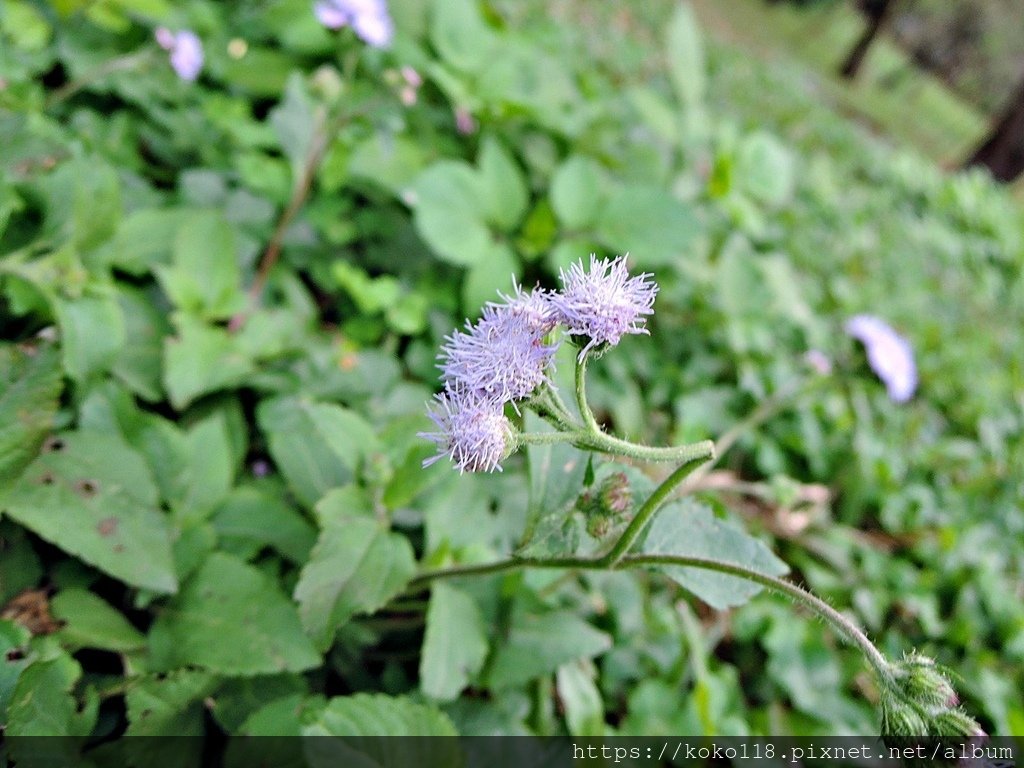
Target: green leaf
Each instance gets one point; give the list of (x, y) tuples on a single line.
[(20, 568), (501, 180), (238, 699), (458, 32), (648, 223), (140, 362), (256, 516), (42, 704), (688, 528), (200, 360), (145, 239), (317, 446), (496, 269), (357, 566), (449, 212), (94, 497), (83, 201), (92, 332), (765, 169), (455, 644), (581, 699), (576, 193), (168, 705), (30, 386), (685, 53), (13, 660), (204, 278), (209, 470), (379, 715), (539, 644), (393, 162), (294, 123), (228, 606), (90, 622)]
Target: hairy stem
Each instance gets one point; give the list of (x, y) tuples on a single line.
[(581, 394)]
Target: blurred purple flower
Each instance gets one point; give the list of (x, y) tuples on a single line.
[(368, 18), (890, 355), (819, 361), (464, 122), (503, 357), (186, 51), (473, 431), (604, 303)]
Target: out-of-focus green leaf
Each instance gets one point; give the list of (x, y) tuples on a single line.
[(30, 385), (378, 715), (578, 692), (92, 332), (459, 34), (106, 488), (455, 644), (91, 622), (355, 567), (648, 223), (201, 359), (252, 517), (204, 279), (501, 180), (449, 212), (42, 703), (224, 607), (576, 192)]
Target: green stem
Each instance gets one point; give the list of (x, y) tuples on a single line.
[(581, 395), (647, 511), (842, 625), (546, 438)]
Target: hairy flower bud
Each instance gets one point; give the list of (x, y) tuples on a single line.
[(473, 431)]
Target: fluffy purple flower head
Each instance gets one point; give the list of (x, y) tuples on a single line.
[(604, 303), (890, 355), (473, 431), (534, 307), (504, 356), (186, 51), (368, 18)]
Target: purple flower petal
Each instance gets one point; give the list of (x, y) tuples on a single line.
[(890, 355), (473, 431), (187, 55), (368, 18), (604, 303)]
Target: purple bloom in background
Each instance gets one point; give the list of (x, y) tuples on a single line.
[(503, 357), (186, 51), (889, 355), (368, 18), (474, 432), (604, 303)]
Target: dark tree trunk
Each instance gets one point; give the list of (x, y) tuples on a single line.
[(1002, 152), (878, 13)]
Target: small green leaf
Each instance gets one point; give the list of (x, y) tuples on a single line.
[(228, 606), (449, 212), (92, 331), (106, 489), (539, 644), (459, 34), (90, 622), (501, 180), (379, 715), (238, 699), (685, 54), (455, 644), (294, 123), (355, 567), (688, 528), (765, 169), (204, 278), (13, 660), (317, 446), (42, 703), (202, 359), (648, 223), (252, 517), (168, 705), (576, 193), (30, 385), (140, 362), (495, 270), (581, 699)]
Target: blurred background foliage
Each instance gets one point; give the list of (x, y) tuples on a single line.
[(221, 302)]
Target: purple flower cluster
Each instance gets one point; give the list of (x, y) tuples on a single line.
[(890, 355), (369, 19), (186, 51), (506, 355), (604, 303)]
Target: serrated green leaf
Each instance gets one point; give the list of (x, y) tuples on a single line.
[(93, 497), (501, 180), (317, 446), (91, 622), (30, 386), (648, 223), (378, 715), (228, 606), (576, 193), (539, 644), (202, 359), (92, 331), (455, 643), (688, 528), (355, 567), (42, 704), (168, 705), (238, 699), (252, 517), (448, 212)]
